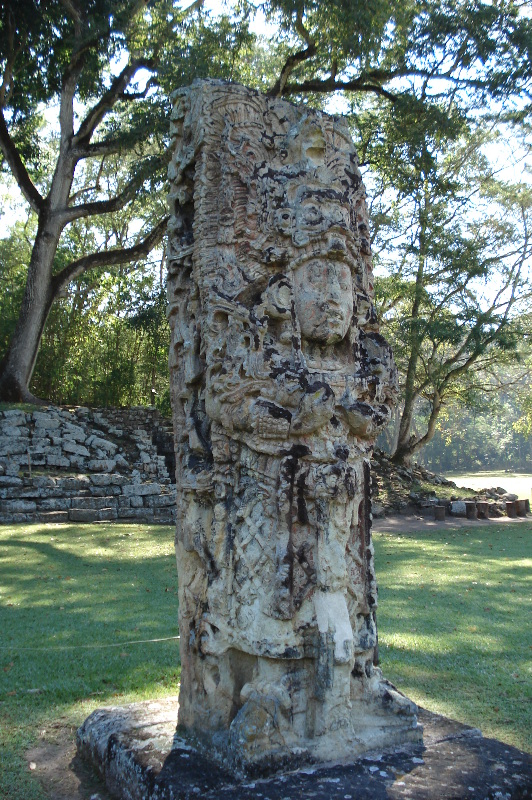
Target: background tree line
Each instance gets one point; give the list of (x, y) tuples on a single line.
[(429, 88)]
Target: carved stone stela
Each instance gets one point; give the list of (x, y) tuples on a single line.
[(280, 383)]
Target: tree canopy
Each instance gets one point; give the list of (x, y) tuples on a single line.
[(464, 54), (452, 252)]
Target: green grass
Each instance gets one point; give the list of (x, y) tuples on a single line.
[(454, 624), (454, 627), (69, 589), (20, 407), (441, 491)]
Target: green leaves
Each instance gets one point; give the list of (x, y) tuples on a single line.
[(453, 248), (463, 54)]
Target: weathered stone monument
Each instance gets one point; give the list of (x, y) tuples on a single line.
[(280, 382)]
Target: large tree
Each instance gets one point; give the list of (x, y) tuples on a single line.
[(104, 64), (108, 67), (484, 435), (453, 250)]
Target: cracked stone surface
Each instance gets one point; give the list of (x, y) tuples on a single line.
[(137, 751), (280, 383)]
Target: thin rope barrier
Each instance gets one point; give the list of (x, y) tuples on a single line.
[(87, 646)]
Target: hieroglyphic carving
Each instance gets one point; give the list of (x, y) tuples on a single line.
[(280, 382)]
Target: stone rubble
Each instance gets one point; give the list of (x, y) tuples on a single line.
[(82, 465), (396, 489)]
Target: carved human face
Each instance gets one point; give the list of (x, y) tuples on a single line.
[(323, 295)]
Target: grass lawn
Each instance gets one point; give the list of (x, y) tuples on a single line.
[(69, 589), (453, 624)]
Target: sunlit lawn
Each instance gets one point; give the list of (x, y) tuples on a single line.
[(78, 588), (519, 483), (454, 626), (455, 623)]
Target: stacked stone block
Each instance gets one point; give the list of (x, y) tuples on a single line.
[(83, 465)]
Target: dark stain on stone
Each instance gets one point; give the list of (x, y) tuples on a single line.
[(302, 514), (297, 451), (342, 452), (324, 665), (229, 539), (291, 652), (278, 278), (212, 570), (275, 411), (355, 179)]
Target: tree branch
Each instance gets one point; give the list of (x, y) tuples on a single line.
[(108, 258), (118, 201), (108, 100), (19, 171), (436, 404), (74, 12), (192, 7), (278, 89), (371, 82), (130, 96), (74, 68), (7, 77), (98, 149), (101, 206), (332, 85), (96, 188)]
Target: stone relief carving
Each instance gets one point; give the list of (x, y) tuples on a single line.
[(280, 382)]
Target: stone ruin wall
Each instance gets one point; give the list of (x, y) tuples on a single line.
[(280, 382), (85, 465)]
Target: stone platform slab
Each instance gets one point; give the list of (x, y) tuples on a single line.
[(136, 750)]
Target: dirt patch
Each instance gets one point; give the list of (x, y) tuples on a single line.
[(62, 774), (410, 523)]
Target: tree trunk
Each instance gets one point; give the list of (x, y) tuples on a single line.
[(408, 448), (55, 212), (405, 446), (18, 364), (403, 454)]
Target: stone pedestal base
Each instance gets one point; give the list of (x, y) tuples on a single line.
[(140, 756)]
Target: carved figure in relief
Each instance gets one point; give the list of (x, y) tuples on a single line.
[(280, 383)]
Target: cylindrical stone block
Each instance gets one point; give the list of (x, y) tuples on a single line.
[(483, 510), (520, 508), (511, 510), (471, 510), (439, 513)]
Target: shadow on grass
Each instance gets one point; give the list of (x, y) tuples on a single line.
[(73, 599), (453, 620), (454, 610)]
